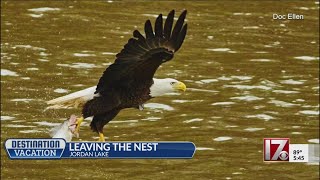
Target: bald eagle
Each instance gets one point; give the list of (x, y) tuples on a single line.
[(129, 82)]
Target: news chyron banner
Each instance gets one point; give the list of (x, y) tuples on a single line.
[(59, 148), (280, 150)]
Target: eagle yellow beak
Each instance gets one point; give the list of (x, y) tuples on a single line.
[(179, 86)]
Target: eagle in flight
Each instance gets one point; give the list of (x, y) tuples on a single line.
[(129, 82)]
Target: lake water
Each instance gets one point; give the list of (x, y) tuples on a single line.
[(248, 77)]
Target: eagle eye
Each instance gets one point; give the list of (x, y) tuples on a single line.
[(172, 83)]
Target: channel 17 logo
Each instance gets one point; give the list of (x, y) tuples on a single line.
[(276, 149)]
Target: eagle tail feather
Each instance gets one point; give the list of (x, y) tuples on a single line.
[(72, 100)]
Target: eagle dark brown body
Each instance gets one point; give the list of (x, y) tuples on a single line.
[(121, 99)]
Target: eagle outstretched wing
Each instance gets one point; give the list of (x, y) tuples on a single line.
[(141, 56)]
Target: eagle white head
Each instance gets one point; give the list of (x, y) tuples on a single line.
[(167, 85)]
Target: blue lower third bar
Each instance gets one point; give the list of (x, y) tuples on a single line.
[(58, 148), (127, 150)]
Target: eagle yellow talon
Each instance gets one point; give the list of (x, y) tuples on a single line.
[(101, 137), (78, 122)]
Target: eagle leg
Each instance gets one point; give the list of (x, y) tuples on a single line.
[(99, 121), (101, 137), (78, 122), (141, 107)]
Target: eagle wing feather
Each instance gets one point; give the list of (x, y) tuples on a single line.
[(142, 55)]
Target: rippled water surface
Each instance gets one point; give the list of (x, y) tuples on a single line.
[(249, 77)]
